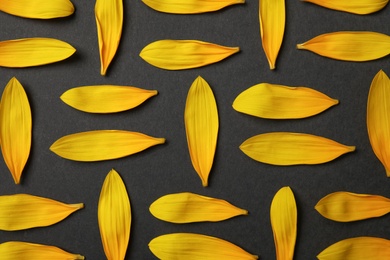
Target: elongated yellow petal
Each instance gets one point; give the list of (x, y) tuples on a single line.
[(189, 6), (15, 128), (195, 246), (283, 148), (272, 16), (188, 207), (39, 9), (284, 223), (102, 145), (352, 6), (23, 211), (346, 206), (358, 248), (30, 52), (349, 45), (378, 118), (114, 216), (106, 98), (27, 251), (201, 123), (184, 54), (109, 21), (282, 102)]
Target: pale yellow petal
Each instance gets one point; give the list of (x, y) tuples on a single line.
[(352, 6), (114, 217), (201, 123), (184, 54)]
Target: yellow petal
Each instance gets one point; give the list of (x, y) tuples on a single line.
[(349, 46), (184, 54), (195, 246), (23, 211), (346, 206), (106, 98), (188, 207), (114, 217), (282, 102), (272, 16), (15, 128), (352, 6), (13, 250), (39, 9), (189, 6), (30, 52), (378, 119), (283, 148), (284, 223), (358, 248), (109, 21), (201, 123), (102, 145)]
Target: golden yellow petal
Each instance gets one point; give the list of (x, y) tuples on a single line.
[(186, 207), (346, 206), (23, 211), (15, 128), (184, 54), (352, 6), (189, 6), (201, 123), (284, 148), (39, 9), (30, 52), (378, 118), (195, 246), (358, 248), (272, 17), (349, 45), (284, 223), (109, 21), (101, 145), (114, 217), (106, 98), (13, 250), (282, 102)]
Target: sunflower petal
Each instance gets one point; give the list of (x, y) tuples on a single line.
[(378, 119), (349, 45), (184, 54), (353, 6), (201, 123), (282, 102), (195, 246), (102, 145), (283, 148), (114, 216), (109, 21)]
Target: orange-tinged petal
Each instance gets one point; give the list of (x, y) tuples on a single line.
[(201, 123), (352, 6)]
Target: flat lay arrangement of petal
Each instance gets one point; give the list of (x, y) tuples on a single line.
[(345, 206), (24, 211), (99, 145), (15, 128), (109, 22), (349, 45), (282, 102), (354, 6), (27, 251), (201, 124), (114, 216), (187, 207), (192, 246), (378, 118), (184, 54), (106, 98), (286, 148), (189, 6), (37, 9)]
